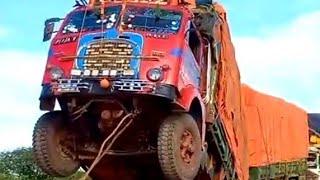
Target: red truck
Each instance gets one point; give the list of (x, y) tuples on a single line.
[(147, 89)]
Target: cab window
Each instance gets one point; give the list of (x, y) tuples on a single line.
[(151, 19), (90, 20), (195, 43)]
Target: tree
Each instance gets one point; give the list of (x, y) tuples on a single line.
[(19, 165)]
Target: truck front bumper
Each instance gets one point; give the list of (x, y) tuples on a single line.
[(78, 87)]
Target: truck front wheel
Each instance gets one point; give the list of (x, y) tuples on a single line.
[(49, 153), (179, 147)]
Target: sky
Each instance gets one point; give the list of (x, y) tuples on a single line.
[(277, 49)]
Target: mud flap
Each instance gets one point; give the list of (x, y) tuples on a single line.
[(47, 104)]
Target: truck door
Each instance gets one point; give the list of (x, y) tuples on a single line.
[(199, 47), (195, 43)]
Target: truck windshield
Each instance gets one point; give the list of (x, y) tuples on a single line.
[(151, 19), (90, 20)]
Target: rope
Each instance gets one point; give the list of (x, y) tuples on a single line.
[(264, 140), (314, 131), (82, 25), (113, 132), (103, 18), (146, 21), (103, 151), (123, 7)]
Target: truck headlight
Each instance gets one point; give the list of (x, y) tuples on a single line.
[(56, 73), (155, 74)]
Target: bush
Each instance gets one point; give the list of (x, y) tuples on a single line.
[(19, 165)]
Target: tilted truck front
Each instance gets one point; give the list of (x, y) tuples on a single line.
[(143, 69)]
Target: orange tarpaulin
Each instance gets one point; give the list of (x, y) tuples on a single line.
[(228, 95), (260, 129), (277, 130)]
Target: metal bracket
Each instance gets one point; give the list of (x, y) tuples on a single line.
[(226, 157)]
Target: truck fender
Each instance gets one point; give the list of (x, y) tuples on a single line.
[(191, 100)]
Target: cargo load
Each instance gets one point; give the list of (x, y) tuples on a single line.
[(277, 131), (228, 94)]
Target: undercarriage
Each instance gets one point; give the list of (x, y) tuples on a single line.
[(124, 134), (96, 120)]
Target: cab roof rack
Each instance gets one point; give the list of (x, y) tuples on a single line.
[(161, 2)]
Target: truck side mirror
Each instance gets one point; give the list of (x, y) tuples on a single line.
[(49, 28)]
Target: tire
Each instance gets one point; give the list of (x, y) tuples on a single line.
[(170, 136), (46, 147)]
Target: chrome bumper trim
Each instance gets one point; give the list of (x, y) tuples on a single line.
[(70, 86), (78, 85), (133, 85)]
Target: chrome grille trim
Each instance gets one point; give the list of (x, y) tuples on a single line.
[(133, 85), (108, 55), (128, 85), (70, 85)]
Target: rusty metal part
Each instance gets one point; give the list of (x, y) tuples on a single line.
[(79, 112), (86, 157), (66, 151), (130, 153), (109, 118), (119, 153), (66, 144), (186, 147), (113, 137), (106, 114), (117, 113)]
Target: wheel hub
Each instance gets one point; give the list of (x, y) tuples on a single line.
[(64, 145), (186, 147)]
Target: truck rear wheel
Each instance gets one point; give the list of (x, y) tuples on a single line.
[(179, 147), (48, 152)]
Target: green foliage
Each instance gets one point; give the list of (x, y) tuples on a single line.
[(19, 165)]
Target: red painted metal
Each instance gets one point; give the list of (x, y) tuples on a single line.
[(174, 74)]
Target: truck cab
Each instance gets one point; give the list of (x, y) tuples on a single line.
[(135, 76)]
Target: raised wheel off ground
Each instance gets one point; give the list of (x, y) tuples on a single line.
[(179, 147), (48, 152)]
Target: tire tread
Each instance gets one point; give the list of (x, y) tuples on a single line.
[(41, 147)]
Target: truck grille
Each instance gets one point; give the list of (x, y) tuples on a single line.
[(109, 58)]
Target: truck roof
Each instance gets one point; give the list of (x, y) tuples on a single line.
[(159, 2), (183, 9)]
